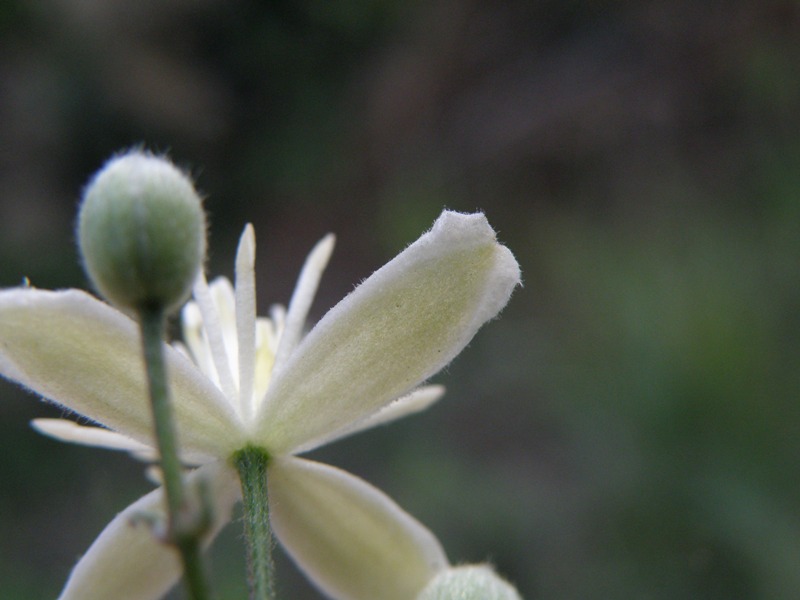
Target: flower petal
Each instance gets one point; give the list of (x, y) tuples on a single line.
[(86, 435), (347, 536), (415, 402), (302, 297), (399, 327), (217, 303), (127, 562), (68, 431), (246, 318), (84, 355)]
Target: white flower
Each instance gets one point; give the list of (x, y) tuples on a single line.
[(242, 381)]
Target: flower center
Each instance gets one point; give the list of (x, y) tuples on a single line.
[(203, 350)]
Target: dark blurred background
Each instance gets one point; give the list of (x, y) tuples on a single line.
[(629, 427)]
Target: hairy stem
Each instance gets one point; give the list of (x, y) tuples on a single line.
[(186, 523), (251, 462)]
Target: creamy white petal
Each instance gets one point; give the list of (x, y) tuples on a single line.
[(84, 355), (246, 318), (399, 327), (195, 341), (302, 297), (277, 314), (348, 537), (417, 401), (64, 430), (224, 297), (127, 562), (264, 358), (212, 326), (87, 435)]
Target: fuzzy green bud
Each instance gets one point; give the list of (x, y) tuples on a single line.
[(142, 232), (469, 582)]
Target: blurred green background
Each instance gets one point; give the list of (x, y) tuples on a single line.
[(629, 427)]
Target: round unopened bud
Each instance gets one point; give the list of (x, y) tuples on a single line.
[(142, 232), (469, 582)]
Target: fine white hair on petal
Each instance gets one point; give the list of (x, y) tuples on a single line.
[(302, 297), (395, 330), (246, 318)]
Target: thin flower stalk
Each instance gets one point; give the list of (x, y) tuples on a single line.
[(186, 521), (251, 464)]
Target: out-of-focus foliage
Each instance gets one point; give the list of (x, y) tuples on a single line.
[(628, 428)]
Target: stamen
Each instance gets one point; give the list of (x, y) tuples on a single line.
[(264, 359), (277, 315), (197, 344), (245, 291), (211, 324), (302, 297)]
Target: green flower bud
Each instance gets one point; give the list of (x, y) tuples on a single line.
[(141, 231), (469, 582)]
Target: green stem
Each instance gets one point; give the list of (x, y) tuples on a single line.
[(185, 525), (251, 462)]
